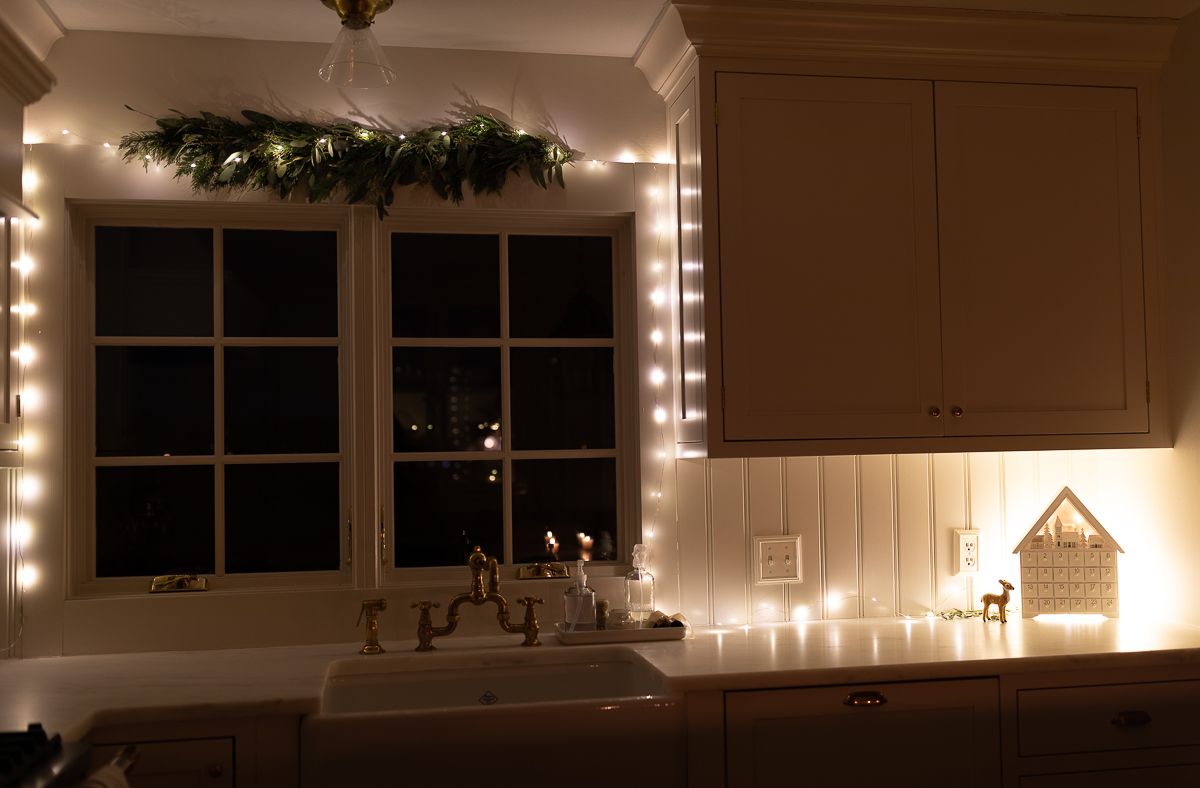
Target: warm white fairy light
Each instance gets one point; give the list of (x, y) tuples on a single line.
[(658, 297), (23, 264), (657, 376), (27, 576), (660, 415), (656, 336), (30, 180)]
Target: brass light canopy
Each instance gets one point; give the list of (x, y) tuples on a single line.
[(356, 60)]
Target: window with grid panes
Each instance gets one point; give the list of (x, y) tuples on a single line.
[(217, 419), (503, 407)]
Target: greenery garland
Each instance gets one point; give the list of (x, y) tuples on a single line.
[(365, 165)]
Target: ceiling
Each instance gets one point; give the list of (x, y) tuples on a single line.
[(613, 28)]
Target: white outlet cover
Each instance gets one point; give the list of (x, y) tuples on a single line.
[(777, 560), (966, 551)]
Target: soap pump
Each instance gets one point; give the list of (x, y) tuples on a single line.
[(580, 603), (639, 587)]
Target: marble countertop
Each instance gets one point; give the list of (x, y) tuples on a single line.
[(73, 695)]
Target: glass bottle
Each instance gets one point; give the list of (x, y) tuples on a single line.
[(639, 587)]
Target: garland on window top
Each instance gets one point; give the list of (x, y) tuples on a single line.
[(364, 165)]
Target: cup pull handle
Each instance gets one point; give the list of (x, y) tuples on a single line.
[(1131, 719), (865, 698)]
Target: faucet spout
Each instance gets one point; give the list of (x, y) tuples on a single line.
[(478, 563)]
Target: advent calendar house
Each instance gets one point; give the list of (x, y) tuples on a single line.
[(1068, 562)]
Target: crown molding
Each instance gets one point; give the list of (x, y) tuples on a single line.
[(21, 72), (892, 33), (34, 23)]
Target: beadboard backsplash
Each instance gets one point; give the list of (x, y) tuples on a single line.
[(877, 531)]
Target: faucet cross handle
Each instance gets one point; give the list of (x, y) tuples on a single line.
[(531, 626), (424, 605), (530, 601)]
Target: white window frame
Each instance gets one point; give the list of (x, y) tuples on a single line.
[(617, 227), (365, 344), (84, 217)]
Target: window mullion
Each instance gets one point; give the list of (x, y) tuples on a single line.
[(219, 400), (505, 404)]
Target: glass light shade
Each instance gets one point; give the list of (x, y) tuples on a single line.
[(356, 61)]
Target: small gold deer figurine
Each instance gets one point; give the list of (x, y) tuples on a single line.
[(999, 600)]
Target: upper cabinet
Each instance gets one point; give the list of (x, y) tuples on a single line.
[(896, 245)]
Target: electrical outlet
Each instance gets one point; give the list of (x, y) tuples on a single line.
[(778, 559), (966, 551)]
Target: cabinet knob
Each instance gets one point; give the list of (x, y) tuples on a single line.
[(1131, 719), (865, 698), (956, 412), (935, 411)]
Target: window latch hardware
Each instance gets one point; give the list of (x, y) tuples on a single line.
[(383, 545)]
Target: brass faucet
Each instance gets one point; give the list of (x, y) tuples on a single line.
[(370, 609), (478, 563)]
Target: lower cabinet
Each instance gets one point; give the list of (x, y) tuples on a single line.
[(1101, 728), (256, 752), (914, 733)]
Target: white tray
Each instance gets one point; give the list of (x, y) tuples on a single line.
[(617, 635)]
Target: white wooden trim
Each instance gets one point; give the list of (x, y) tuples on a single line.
[(21, 71)]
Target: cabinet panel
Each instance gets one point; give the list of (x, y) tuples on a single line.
[(1040, 239), (828, 258), (921, 733), (206, 763), (1161, 776), (1106, 718)]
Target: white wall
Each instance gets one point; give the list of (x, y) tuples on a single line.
[(600, 105)]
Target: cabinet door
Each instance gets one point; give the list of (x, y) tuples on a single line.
[(919, 733), (1040, 230), (829, 323)]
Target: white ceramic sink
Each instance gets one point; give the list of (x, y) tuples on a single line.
[(496, 678), (429, 717)]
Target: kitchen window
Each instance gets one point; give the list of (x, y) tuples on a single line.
[(503, 397), (245, 378)]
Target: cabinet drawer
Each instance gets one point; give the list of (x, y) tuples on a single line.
[(1108, 717), (202, 763), (817, 736)]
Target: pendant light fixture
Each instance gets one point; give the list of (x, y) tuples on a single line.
[(356, 60)]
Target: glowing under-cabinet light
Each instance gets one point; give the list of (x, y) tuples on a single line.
[(658, 297), (34, 223), (656, 336), (800, 613), (27, 576), (657, 376), (662, 157), (627, 157), (660, 415)]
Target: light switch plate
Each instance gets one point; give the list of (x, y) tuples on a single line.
[(778, 560)]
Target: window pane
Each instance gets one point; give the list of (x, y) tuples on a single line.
[(562, 398), (445, 399), (560, 286), (154, 281), (445, 285), (282, 518), (280, 283), (445, 509), (154, 521), (281, 400), (566, 497), (154, 401)]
